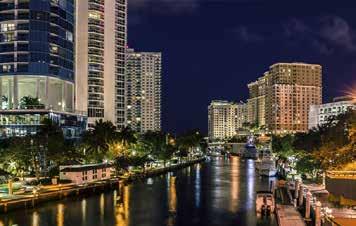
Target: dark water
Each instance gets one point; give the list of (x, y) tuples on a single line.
[(220, 192)]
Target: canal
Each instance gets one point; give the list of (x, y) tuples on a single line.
[(220, 192)]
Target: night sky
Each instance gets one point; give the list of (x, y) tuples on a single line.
[(213, 48)]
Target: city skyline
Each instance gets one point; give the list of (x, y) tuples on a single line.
[(247, 38), (177, 112)]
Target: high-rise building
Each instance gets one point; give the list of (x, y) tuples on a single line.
[(143, 90), (289, 90), (257, 102), (322, 113), (100, 59), (225, 118), (36, 64)]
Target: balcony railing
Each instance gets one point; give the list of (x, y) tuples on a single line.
[(42, 107), (341, 174)]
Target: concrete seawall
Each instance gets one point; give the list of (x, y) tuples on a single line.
[(31, 201), (342, 187)]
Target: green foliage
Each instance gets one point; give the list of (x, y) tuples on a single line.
[(97, 140), (25, 154), (283, 145), (306, 164), (331, 146), (238, 139), (28, 102), (157, 145)]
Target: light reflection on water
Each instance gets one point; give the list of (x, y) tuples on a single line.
[(60, 214), (35, 219), (197, 186), (172, 201), (235, 165), (84, 210), (220, 192), (250, 183), (122, 208)]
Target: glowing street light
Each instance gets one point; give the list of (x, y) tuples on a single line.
[(351, 92)]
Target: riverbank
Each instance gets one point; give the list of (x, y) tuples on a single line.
[(59, 192)]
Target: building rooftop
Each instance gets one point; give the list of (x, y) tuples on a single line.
[(80, 168), (295, 63)]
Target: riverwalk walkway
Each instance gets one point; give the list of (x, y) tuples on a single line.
[(288, 216), (57, 192)]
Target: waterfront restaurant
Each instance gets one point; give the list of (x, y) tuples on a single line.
[(81, 174)]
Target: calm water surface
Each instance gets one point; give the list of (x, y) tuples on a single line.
[(220, 192)]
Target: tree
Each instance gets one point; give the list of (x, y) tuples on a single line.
[(22, 155), (51, 139), (154, 142), (337, 142), (28, 102), (283, 145), (187, 141), (127, 136), (97, 140), (307, 164)]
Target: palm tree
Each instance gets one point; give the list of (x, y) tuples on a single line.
[(29, 102), (98, 139), (187, 141), (127, 136), (157, 145)]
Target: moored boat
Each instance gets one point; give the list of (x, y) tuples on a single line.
[(265, 203)]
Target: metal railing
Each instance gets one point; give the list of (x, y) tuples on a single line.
[(43, 107), (341, 174)]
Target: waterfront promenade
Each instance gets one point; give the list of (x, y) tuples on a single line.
[(57, 192), (217, 192)]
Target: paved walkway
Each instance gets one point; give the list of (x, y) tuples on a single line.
[(287, 216)]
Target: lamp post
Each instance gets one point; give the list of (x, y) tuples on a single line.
[(10, 187)]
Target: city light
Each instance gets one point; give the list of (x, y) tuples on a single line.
[(351, 92)]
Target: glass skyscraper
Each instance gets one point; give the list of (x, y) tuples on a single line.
[(37, 53), (37, 67)]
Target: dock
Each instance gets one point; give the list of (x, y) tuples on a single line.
[(287, 215)]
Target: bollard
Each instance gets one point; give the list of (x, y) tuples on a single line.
[(10, 187), (318, 213), (300, 196), (296, 188), (307, 206)]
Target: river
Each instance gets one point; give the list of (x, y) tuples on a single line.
[(220, 192)]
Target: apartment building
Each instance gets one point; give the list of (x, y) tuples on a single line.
[(143, 90), (288, 90), (100, 59), (225, 118)]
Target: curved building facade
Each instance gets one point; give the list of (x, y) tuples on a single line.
[(37, 54)]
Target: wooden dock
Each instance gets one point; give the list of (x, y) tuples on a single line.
[(287, 215)]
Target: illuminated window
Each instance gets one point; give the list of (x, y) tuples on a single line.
[(94, 15), (7, 27), (6, 68), (54, 49), (69, 36), (9, 37)]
